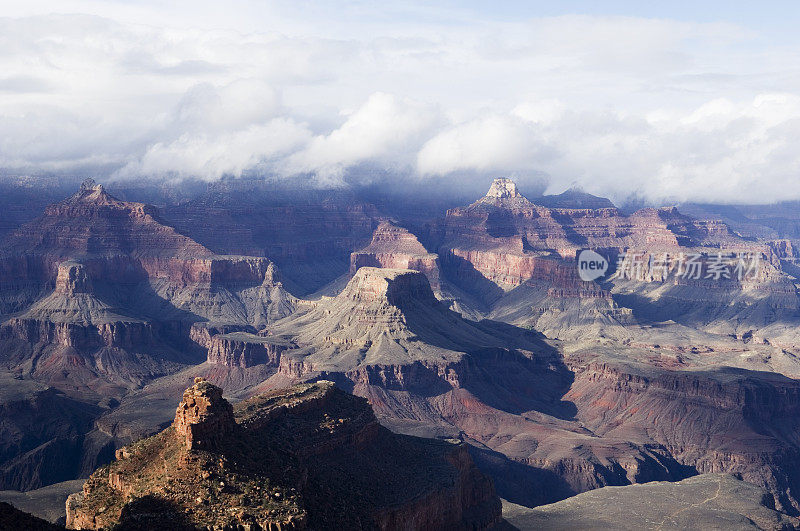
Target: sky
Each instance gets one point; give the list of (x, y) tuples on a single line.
[(661, 101)]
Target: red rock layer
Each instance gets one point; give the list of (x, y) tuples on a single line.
[(83, 336), (395, 248), (726, 420), (244, 350), (510, 270), (203, 418), (503, 236)]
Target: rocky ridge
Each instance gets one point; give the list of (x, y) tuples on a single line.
[(307, 457)]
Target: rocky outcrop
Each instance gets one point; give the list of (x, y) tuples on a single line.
[(307, 457), (203, 419), (394, 247), (245, 350), (72, 278), (201, 333), (503, 189)]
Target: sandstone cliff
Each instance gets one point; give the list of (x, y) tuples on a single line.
[(128, 245), (394, 247)]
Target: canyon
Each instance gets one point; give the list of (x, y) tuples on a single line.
[(471, 336)]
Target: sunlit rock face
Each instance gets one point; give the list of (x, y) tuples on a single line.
[(394, 247), (203, 418), (503, 188)]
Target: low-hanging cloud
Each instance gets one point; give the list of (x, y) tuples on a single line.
[(620, 106)]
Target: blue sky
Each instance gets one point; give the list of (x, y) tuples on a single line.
[(665, 100)]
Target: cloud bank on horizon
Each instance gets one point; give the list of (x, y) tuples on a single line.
[(663, 108)]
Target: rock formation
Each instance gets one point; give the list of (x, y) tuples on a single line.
[(240, 349), (308, 457), (394, 247), (99, 296), (203, 419), (110, 308), (516, 258), (127, 287), (503, 189), (388, 316), (388, 338)]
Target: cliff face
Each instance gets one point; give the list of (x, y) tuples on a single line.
[(308, 233), (245, 350), (103, 290), (721, 420), (394, 247), (101, 238), (311, 456)]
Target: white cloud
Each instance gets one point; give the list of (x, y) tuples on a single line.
[(494, 143), (209, 156), (385, 129), (663, 108)]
